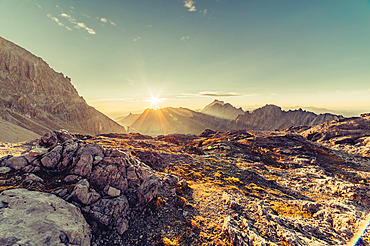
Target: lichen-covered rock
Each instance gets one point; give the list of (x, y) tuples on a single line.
[(111, 213), (83, 193), (51, 159), (84, 165), (148, 189), (36, 218)]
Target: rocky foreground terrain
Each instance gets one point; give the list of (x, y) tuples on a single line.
[(291, 187), (36, 98)]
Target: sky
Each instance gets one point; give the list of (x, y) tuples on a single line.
[(312, 54)]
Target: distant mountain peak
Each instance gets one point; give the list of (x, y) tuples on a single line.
[(271, 117), (222, 110)]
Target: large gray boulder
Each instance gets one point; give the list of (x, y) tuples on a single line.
[(36, 218)]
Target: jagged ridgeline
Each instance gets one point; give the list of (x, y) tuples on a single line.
[(35, 97)]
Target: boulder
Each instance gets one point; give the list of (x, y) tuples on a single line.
[(36, 218), (111, 213), (17, 162), (148, 189), (83, 194), (110, 171), (51, 159), (83, 166)]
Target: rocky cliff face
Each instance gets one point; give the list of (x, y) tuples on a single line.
[(34, 96), (222, 110), (271, 117)]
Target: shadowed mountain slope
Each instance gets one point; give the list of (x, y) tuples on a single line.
[(35, 97), (127, 120), (175, 120), (222, 110)]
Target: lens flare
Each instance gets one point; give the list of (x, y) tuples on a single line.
[(154, 101)]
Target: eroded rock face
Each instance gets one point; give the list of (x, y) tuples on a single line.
[(36, 218), (35, 97)]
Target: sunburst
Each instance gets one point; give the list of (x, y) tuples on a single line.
[(154, 101)]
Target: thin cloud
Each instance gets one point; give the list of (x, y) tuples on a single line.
[(65, 15), (86, 16), (185, 38), (38, 5), (83, 26), (190, 5), (103, 20), (72, 7), (113, 99), (215, 94), (78, 25), (136, 39), (55, 19), (112, 23)]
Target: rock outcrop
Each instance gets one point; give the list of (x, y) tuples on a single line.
[(271, 117), (36, 218), (35, 97), (222, 110), (351, 135), (106, 182)]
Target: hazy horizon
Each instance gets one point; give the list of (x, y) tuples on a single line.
[(312, 54)]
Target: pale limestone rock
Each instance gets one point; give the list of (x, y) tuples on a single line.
[(36, 218)]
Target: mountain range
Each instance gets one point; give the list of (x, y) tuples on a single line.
[(38, 99), (220, 116), (35, 97)]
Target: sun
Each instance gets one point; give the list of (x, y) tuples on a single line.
[(154, 101)]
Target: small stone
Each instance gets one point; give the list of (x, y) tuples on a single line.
[(34, 180), (111, 191), (97, 159), (38, 151), (61, 192), (83, 194), (86, 209), (4, 170), (71, 179)]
